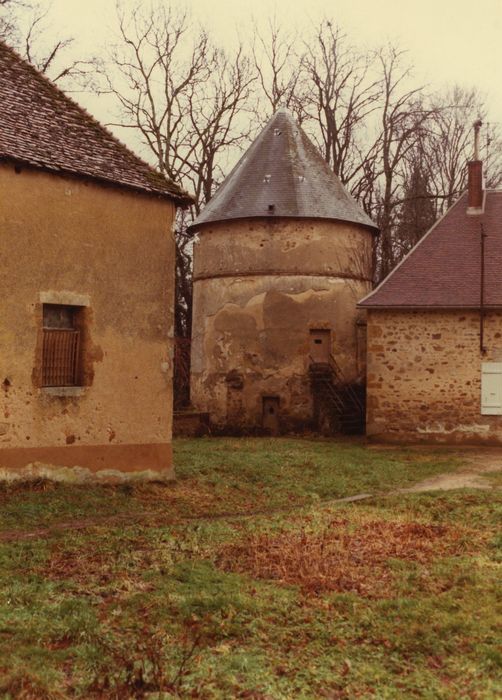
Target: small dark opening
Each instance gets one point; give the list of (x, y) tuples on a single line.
[(271, 414), (59, 316)]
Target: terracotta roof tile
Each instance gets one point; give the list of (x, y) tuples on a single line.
[(444, 269), (44, 128)]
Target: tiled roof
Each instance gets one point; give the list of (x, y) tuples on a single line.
[(444, 269), (42, 127), (282, 174)]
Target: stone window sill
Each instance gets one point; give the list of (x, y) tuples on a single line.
[(63, 390)]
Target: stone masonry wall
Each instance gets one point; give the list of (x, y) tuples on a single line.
[(424, 376), (260, 287)]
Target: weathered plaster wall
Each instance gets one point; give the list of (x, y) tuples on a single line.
[(424, 375), (260, 286), (114, 247)]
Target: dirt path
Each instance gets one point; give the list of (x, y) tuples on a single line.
[(471, 476), (478, 463), (157, 520)]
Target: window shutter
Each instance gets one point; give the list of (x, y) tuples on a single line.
[(491, 388), (61, 345)]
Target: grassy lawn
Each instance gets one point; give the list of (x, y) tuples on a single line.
[(164, 591), (219, 476)]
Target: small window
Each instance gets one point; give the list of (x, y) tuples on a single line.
[(61, 345), (491, 389), (320, 345)]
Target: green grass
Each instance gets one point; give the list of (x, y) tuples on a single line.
[(217, 476), (495, 478), (124, 610), (280, 469)]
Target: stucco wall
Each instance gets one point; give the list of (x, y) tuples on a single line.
[(61, 234), (260, 286), (424, 375)]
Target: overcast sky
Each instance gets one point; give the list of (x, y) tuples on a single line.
[(449, 41)]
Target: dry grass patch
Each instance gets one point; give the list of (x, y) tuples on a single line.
[(341, 558), (190, 495), (81, 567), (107, 572)]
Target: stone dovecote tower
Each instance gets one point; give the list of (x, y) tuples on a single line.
[(283, 255)]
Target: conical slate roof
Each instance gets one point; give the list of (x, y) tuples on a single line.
[(282, 174)]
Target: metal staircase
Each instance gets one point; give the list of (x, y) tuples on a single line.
[(336, 402)]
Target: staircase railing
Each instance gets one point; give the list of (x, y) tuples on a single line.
[(328, 377), (338, 372), (326, 383)]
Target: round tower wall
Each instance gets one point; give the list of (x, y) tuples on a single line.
[(278, 246), (260, 289)]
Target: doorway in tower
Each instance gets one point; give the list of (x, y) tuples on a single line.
[(320, 345), (270, 414)]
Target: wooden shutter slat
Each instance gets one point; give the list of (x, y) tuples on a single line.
[(60, 354)]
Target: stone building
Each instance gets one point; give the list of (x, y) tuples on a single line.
[(435, 330), (86, 284), (282, 256)]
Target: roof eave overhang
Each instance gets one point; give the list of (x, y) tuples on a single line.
[(182, 200), (196, 226), (376, 291)]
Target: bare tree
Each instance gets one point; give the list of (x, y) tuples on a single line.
[(400, 153), (26, 26), (448, 144), (180, 93), (403, 117), (153, 69), (342, 96), (432, 174), (7, 18), (185, 97), (218, 121), (278, 63)]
